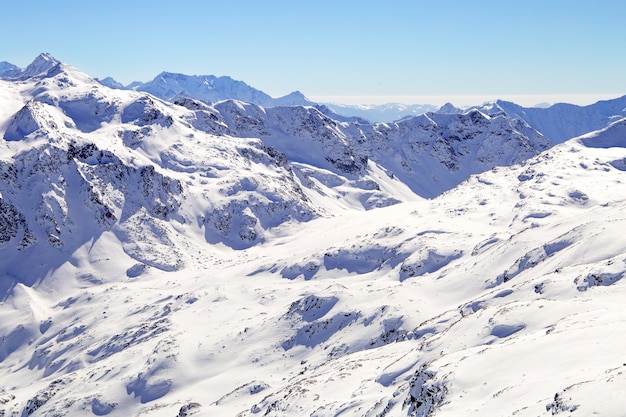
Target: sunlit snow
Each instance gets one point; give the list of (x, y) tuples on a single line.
[(187, 259)]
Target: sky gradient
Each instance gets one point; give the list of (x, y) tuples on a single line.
[(362, 51)]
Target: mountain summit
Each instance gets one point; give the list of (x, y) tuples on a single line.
[(41, 66), (6, 68)]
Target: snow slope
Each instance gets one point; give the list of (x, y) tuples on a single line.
[(459, 305), (183, 259)]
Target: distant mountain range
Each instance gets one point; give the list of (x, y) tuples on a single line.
[(559, 122), (208, 88), (211, 89)]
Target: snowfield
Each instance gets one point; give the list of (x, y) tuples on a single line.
[(187, 258)]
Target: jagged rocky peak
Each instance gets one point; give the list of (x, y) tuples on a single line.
[(43, 62), (43, 65)]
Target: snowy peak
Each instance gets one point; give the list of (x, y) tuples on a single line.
[(6, 68), (295, 98), (449, 108), (44, 65), (211, 89), (111, 83)]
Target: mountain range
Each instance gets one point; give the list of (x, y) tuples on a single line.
[(560, 121), (168, 252), (563, 121)]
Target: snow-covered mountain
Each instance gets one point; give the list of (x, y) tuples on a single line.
[(210, 89), (45, 64), (7, 68), (111, 83), (563, 121), (179, 258), (125, 156), (430, 153), (336, 164)]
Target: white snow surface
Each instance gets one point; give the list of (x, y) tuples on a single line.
[(164, 259)]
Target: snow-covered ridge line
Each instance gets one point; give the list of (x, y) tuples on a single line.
[(563, 121)]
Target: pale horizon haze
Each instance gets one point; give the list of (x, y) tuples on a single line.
[(350, 52)]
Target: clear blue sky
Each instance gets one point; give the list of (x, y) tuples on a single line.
[(390, 48)]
